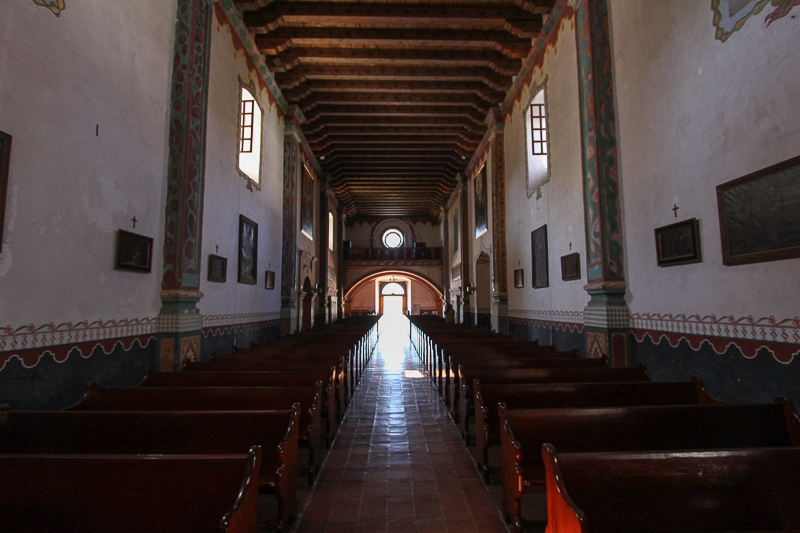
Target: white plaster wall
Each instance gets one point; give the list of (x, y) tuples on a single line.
[(694, 112), (226, 193), (423, 298), (364, 298), (430, 234), (561, 202), (358, 234), (101, 66)]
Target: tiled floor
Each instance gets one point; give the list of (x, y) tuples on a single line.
[(398, 464)]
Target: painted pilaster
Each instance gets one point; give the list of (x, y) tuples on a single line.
[(607, 315), (179, 322), (447, 259), (291, 169), (467, 237), (499, 251)]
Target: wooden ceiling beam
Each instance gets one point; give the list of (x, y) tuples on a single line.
[(370, 98), (313, 86), (296, 56), (285, 38), (452, 75)]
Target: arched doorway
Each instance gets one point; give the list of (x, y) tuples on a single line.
[(483, 291), (394, 297), (307, 296)]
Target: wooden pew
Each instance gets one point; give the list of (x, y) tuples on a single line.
[(755, 490), (129, 493), (216, 399), (638, 428), (254, 379), (542, 375), (320, 369), (166, 432), (574, 395), (475, 365)]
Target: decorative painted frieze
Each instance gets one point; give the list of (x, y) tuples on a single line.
[(29, 343), (232, 323), (545, 318)]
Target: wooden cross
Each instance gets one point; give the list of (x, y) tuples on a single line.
[(570, 246), (217, 248), (134, 222), (675, 209)]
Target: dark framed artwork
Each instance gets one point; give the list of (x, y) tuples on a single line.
[(5, 160), (678, 244), (134, 252), (539, 262), (759, 215), (571, 267), (217, 268), (248, 251), (481, 203), (307, 203), (519, 278), (269, 280)]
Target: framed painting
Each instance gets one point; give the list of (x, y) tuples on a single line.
[(5, 160), (269, 280), (571, 267), (307, 203), (217, 268), (456, 224), (678, 244), (481, 203), (539, 261), (134, 252), (248, 251), (519, 278), (759, 215)]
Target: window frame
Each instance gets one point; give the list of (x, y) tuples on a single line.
[(256, 124), (535, 183)]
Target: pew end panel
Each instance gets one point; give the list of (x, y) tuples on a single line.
[(286, 474), (792, 419), (513, 480), (563, 516)]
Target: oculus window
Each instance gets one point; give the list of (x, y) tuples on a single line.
[(392, 238), (249, 137), (537, 142)]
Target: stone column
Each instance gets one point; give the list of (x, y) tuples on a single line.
[(179, 323), (500, 255), (291, 171), (606, 318)]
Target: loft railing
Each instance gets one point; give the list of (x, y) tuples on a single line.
[(393, 254)]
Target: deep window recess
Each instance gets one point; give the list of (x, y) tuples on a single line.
[(249, 152), (392, 238)]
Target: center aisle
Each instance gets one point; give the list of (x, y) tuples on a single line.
[(398, 464)]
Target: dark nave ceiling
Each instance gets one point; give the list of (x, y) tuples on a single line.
[(395, 94)]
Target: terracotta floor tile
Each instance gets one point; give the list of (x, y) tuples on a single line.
[(398, 463)]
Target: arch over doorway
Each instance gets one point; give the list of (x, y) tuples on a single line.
[(432, 286)]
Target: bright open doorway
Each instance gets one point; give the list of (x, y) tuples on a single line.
[(392, 305)]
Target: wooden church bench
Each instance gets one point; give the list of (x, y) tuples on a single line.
[(130, 493), (754, 490), (217, 399), (574, 395), (163, 433), (633, 428), (457, 381), (255, 379), (320, 368), (506, 376)]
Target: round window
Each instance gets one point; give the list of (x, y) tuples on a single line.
[(392, 238)]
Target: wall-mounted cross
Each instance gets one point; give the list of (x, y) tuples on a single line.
[(134, 222), (570, 246), (217, 248), (675, 209)]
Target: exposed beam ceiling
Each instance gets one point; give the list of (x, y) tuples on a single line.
[(395, 94)]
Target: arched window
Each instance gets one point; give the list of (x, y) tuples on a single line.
[(391, 289), (249, 154), (392, 238)]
